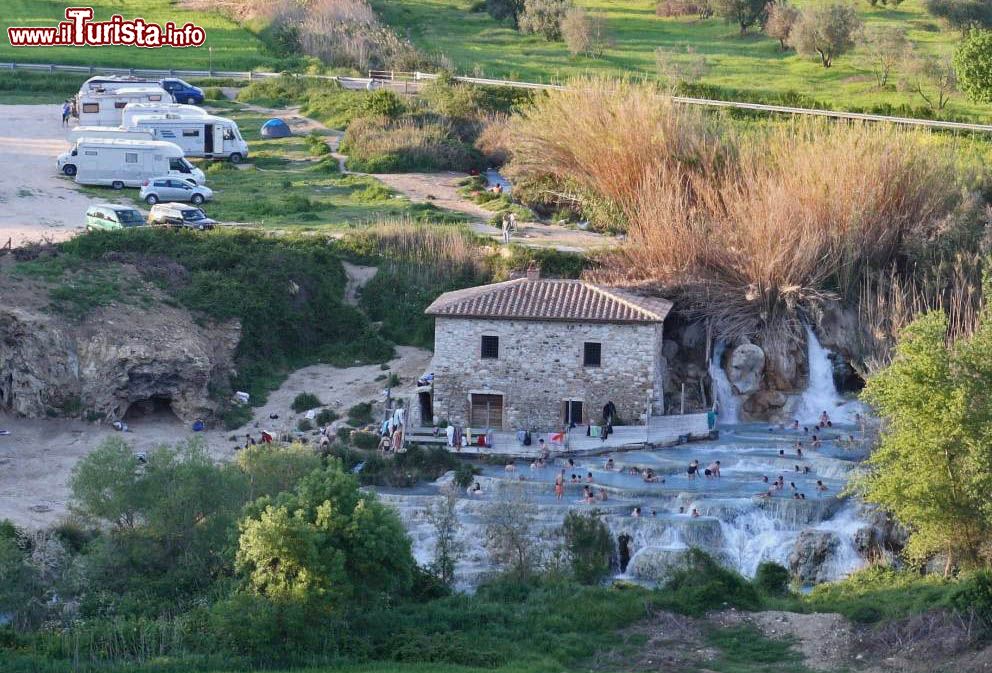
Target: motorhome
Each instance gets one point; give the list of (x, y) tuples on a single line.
[(180, 90), (107, 108), (199, 136), (133, 110), (120, 163), (78, 132)]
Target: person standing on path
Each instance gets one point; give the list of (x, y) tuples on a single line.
[(506, 228), (66, 109)]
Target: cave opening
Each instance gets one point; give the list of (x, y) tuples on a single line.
[(157, 408)]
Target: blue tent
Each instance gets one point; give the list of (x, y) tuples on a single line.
[(275, 128)]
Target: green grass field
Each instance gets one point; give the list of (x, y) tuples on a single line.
[(232, 47), (479, 45)]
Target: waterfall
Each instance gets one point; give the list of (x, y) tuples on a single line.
[(722, 390), (821, 393)]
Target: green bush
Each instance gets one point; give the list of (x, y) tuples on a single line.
[(772, 579), (214, 93), (465, 474), (317, 144), (383, 103), (305, 402), (360, 414), (589, 546), (366, 441), (235, 416), (705, 585), (304, 425), (326, 416)]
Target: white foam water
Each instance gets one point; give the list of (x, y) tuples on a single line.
[(726, 400), (821, 393)]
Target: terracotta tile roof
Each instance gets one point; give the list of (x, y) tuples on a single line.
[(549, 299)]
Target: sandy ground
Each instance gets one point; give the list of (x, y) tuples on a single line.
[(357, 276), (37, 458), (36, 203)]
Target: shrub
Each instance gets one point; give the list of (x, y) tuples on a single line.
[(326, 416), (705, 585), (772, 579), (588, 545), (544, 17), (214, 93), (465, 474), (305, 402), (304, 425), (383, 103), (700, 8), (317, 144), (366, 441), (360, 414), (235, 416), (379, 145)]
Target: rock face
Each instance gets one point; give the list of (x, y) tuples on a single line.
[(810, 554), (114, 358), (747, 363)]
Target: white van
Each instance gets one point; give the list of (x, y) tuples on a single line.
[(108, 132), (122, 163), (133, 110), (199, 136), (107, 108)]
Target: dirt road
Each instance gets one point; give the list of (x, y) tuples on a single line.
[(37, 457), (36, 203)]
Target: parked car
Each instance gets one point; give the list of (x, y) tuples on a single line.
[(105, 216), (180, 215), (167, 188)]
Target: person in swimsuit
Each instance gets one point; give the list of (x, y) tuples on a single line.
[(693, 469), (560, 486)]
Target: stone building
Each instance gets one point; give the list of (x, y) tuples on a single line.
[(537, 354)]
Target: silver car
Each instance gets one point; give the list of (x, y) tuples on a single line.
[(180, 215), (161, 189)]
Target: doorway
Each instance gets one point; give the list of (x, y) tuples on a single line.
[(572, 412), (486, 411), (426, 408), (208, 138)]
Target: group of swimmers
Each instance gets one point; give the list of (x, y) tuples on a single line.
[(636, 512), (778, 484)]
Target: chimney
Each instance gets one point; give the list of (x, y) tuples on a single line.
[(533, 271)]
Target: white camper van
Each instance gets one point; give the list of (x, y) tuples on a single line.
[(199, 136), (121, 163), (107, 108), (133, 110), (78, 132)]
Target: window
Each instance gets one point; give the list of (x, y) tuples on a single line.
[(228, 133), (156, 97), (130, 157), (490, 347), (191, 133), (120, 105), (592, 354), (91, 108)]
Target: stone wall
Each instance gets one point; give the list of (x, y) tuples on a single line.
[(540, 365)]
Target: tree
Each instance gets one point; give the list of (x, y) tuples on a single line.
[(744, 13), (885, 47), (885, 3), (962, 14), (105, 484), (675, 70), (509, 523), (932, 78), (589, 546), (973, 66), (782, 19), (827, 32), (274, 468), (442, 517), (933, 466), (544, 17), (584, 32), (505, 9), (326, 541)]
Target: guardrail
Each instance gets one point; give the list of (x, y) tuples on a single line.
[(138, 72), (405, 77)]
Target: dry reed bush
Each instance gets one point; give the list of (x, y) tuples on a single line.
[(803, 214), (609, 136), (444, 249), (495, 139), (381, 145)]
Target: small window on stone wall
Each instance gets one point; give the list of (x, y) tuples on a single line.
[(490, 347), (592, 354)]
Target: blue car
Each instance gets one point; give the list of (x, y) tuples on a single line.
[(182, 92)]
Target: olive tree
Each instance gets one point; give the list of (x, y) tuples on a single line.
[(744, 13), (885, 47), (826, 32), (782, 18)]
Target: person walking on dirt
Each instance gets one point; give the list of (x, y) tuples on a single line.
[(66, 110)]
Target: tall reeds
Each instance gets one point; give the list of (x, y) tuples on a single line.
[(747, 231)]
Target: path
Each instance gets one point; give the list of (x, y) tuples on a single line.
[(441, 190), (358, 277)]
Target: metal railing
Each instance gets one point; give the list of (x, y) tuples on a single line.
[(407, 78)]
